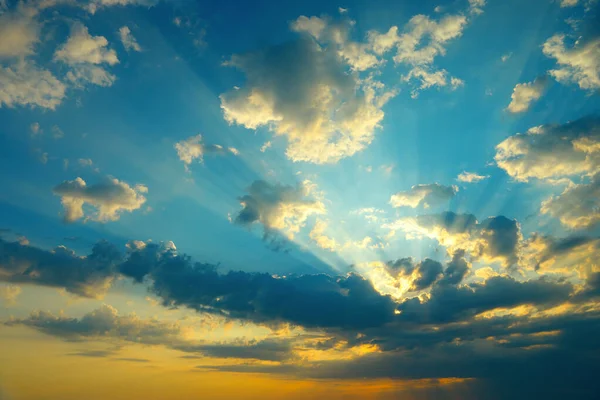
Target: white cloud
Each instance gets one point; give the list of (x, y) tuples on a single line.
[(95, 5), (524, 94), (317, 234), (85, 54), (19, 32), (578, 207), (422, 40), (110, 198), (279, 207), (57, 133), (193, 148), (568, 3), (471, 177), (495, 239), (265, 146), (25, 84), (579, 64), (424, 195), (505, 57), (303, 91), (82, 48), (35, 129), (552, 151), (129, 42)]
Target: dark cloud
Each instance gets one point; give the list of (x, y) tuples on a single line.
[(267, 350), (87, 276), (451, 303), (457, 269), (493, 239)]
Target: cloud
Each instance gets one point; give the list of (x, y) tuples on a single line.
[(524, 94), (579, 64), (317, 234), (128, 40), (103, 323), (452, 303), (495, 239), (471, 177), (303, 90), (424, 195), (85, 54), (552, 151), (419, 43), (193, 148), (110, 198), (9, 293), (19, 32), (94, 5), (578, 207), (279, 207), (89, 276), (25, 84)]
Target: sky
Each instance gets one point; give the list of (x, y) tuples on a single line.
[(310, 199)]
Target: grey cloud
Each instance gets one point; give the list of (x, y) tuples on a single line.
[(424, 195), (89, 276)]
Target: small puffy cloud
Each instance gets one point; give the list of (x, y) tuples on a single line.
[(85, 54), (506, 57), (524, 94), (418, 44), (82, 48), (19, 32), (24, 84), (579, 64), (471, 177), (424, 195), (35, 129), (568, 3), (129, 42), (303, 90), (57, 133), (265, 146), (552, 151), (110, 198), (495, 239), (279, 207), (578, 207), (317, 234), (9, 294), (193, 148)]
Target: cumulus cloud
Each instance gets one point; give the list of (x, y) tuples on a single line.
[(424, 195), (279, 207), (524, 94), (110, 198), (552, 151), (419, 43), (303, 90), (25, 84), (495, 239), (578, 207), (471, 177), (86, 55), (19, 32), (129, 42), (193, 148), (317, 234), (579, 64)]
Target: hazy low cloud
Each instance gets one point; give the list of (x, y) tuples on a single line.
[(425, 195)]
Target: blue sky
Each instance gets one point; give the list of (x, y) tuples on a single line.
[(302, 138)]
